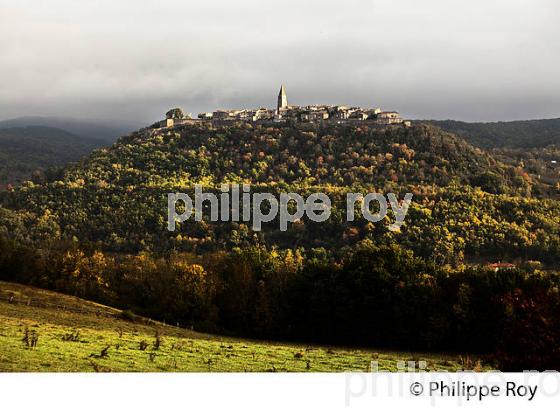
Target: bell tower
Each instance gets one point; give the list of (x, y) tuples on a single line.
[(282, 99)]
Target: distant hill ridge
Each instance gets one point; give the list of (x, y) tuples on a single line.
[(105, 130), (24, 150), (510, 134)]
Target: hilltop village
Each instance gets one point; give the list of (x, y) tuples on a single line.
[(284, 112)]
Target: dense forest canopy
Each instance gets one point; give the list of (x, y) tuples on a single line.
[(465, 204)]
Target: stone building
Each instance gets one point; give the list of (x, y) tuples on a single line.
[(388, 118)]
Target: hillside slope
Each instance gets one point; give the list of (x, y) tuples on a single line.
[(73, 332), (25, 150)]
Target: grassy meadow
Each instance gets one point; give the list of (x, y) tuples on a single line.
[(43, 331)]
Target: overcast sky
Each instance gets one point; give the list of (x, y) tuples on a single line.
[(471, 60)]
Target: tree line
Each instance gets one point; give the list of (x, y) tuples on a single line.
[(373, 296)]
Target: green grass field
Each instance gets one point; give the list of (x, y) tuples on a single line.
[(74, 335)]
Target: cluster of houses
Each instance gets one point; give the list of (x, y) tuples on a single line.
[(292, 113)]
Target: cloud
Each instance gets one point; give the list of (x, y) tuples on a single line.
[(477, 60)]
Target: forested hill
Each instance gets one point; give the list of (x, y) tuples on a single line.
[(511, 134), (466, 204), (300, 156), (25, 150)]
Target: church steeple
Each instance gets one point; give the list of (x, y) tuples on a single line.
[(282, 99)]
